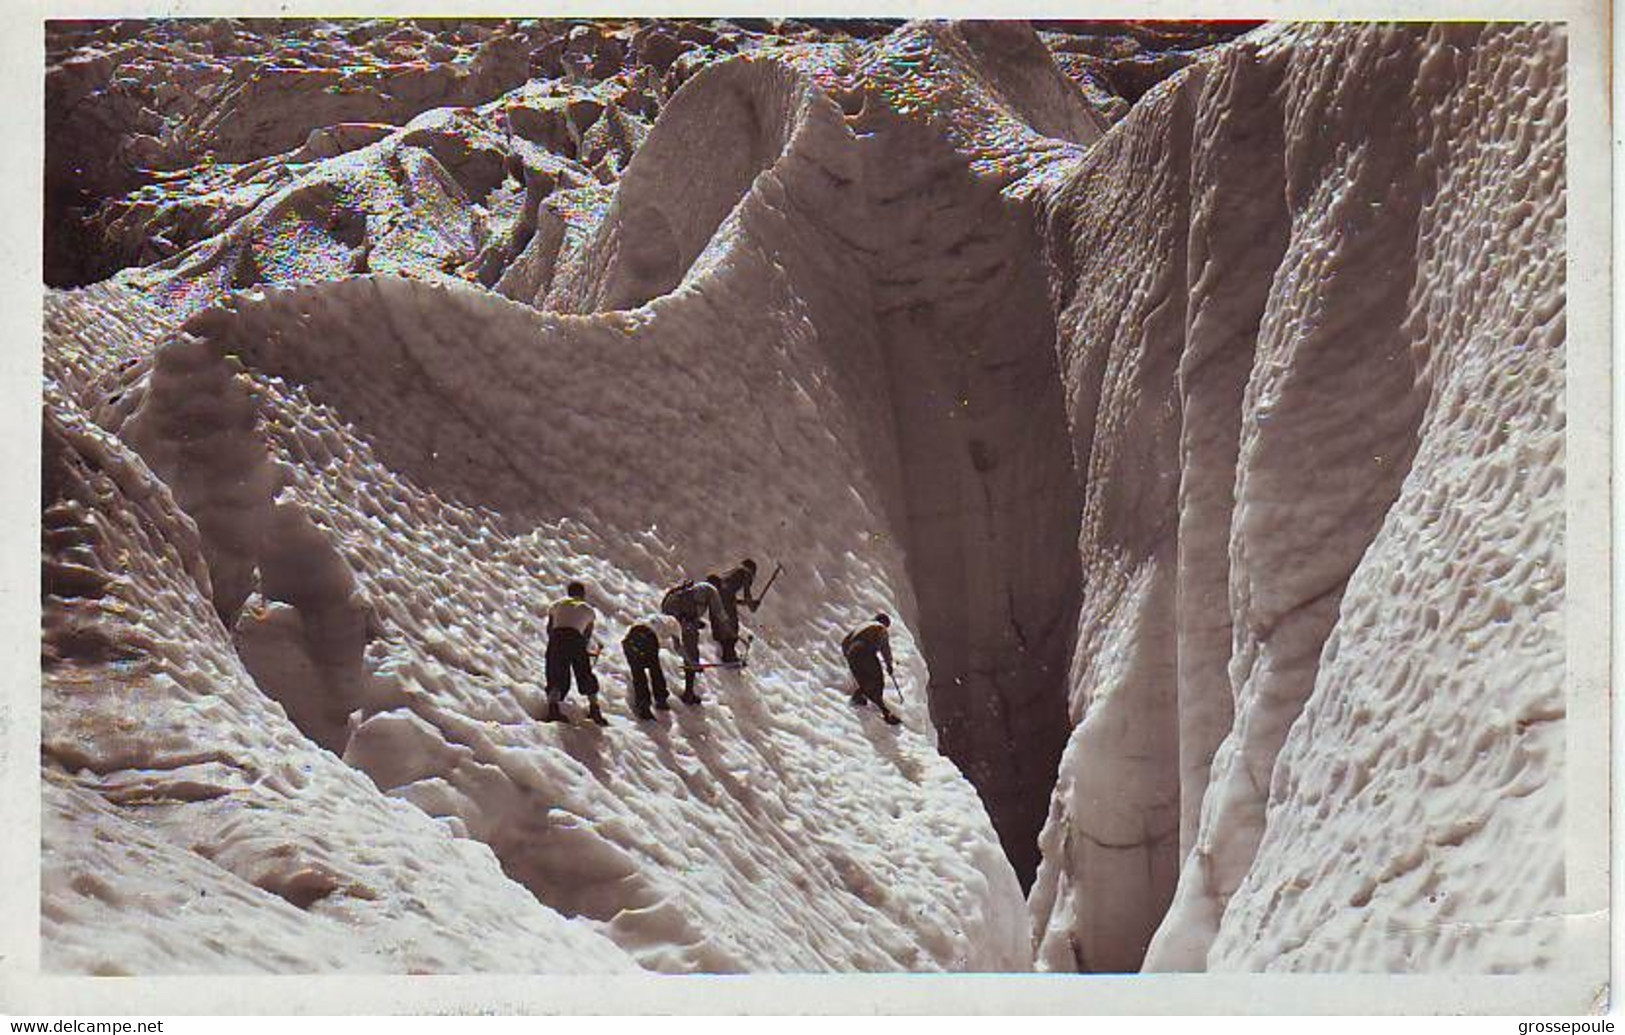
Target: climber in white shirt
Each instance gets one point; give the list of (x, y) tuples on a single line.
[(569, 639)]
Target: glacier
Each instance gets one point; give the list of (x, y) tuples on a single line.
[(1203, 432)]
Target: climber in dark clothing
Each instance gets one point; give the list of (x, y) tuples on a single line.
[(864, 648), (691, 603), (569, 639), (733, 586), (642, 647)]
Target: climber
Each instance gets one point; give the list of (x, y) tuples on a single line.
[(569, 640), (734, 588), (642, 647), (691, 603), (864, 648)]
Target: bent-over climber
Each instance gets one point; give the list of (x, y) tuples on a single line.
[(733, 586), (864, 648), (691, 603), (569, 651), (642, 646)]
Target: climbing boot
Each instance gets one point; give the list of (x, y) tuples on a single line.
[(552, 714), (690, 697), (595, 715), (891, 719), (859, 700), (644, 714), (663, 705)]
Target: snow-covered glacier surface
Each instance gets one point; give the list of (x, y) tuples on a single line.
[(306, 530), (1203, 433)]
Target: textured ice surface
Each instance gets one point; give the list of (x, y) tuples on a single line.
[(1329, 677), (188, 824)]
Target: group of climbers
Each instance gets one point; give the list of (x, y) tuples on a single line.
[(688, 606), (716, 600)]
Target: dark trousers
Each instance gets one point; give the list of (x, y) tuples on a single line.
[(691, 643), (727, 632), (691, 654), (868, 674), (646, 675), (567, 654)]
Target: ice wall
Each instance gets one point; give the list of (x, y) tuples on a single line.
[(1314, 365), (388, 479)]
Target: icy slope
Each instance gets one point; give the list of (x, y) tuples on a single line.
[(402, 475), (698, 844), (1314, 368)]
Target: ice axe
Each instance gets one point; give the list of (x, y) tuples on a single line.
[(894, 684), (777, 568)]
